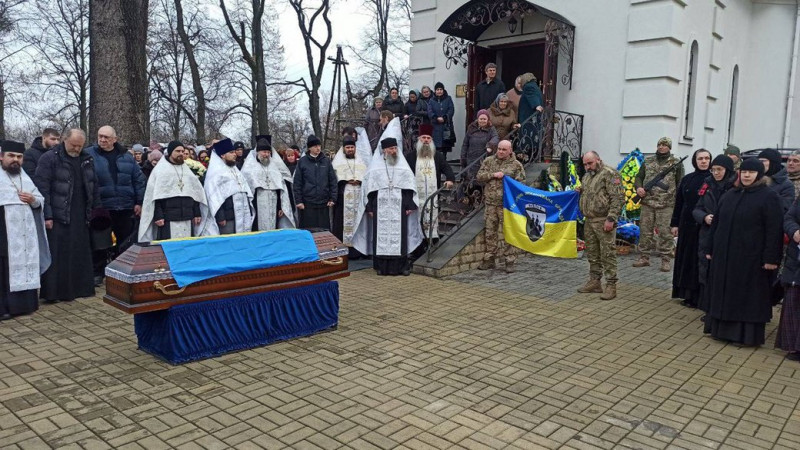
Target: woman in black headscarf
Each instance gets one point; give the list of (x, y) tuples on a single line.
[(685, 283), (777, 178), (722, 178), (746, 242)]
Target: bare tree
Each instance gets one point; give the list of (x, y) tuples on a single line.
[(199, 119), (61, 58), (316, 44), (254, 57), (118, 64)]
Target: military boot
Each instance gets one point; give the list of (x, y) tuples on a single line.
[(644, 260), (610, 291), (486, 264), (592, 286), (666, 265)]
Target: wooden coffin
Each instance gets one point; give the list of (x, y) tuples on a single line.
[(140, 280)]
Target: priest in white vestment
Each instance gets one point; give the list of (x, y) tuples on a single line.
[(175, 204), (24, 253), (350, 169), (229, 197), (272, 206), (429, 166), (388, 220)]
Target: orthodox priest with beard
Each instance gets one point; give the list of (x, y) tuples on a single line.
[(350, 170), (229, 197), (388, 222), (175, 204), (24, 254), (429, 166), (271, 195)]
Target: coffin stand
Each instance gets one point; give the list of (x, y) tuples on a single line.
[(229, 312)]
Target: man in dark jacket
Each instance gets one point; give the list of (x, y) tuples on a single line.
[(394, 103), (66, 178), (778, 180), (121, 184), (314, 186), (487, 90), (40, 145)]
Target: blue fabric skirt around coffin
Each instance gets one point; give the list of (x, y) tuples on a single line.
[(194, 331)]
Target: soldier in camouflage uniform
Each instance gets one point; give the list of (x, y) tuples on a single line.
[(492, 171), (657, 205), (601, 201), (735, 154)]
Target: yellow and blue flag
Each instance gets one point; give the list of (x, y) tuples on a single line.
[(540, 222)]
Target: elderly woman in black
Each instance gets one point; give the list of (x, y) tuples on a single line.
[(722, 178), (685, 283), (745, 247), (788, 337)]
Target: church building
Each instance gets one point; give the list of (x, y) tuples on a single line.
[(620, 74)]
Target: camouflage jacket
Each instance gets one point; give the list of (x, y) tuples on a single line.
[(602, 194), (493, 188), (657, 197)]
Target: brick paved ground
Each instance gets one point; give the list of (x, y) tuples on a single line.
[(476, 361)]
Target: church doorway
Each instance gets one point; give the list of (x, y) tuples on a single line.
[(512, 60)]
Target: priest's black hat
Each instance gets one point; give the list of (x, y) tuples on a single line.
[(224, 146), (12, 147), (389, 142), (264, 142), (348, 140)]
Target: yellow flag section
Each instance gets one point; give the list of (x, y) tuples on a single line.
[(540, 222)]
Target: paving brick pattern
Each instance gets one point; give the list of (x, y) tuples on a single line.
[(476, 361)]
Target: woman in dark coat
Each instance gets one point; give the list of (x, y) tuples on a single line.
[(746, 241), (480, 140), (685, 283), (440, 112), (530, 102), (394, 103), (788, 337), (416, 106), (778, 179), (721, 180)]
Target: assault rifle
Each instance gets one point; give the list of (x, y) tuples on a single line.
[(658, 179)]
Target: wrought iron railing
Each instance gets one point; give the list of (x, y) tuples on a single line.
[(563, 133)]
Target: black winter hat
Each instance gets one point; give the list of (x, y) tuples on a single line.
[(753, 164), (438, 85), (725, 162), (172, 146), (312, 141), (774, 157)]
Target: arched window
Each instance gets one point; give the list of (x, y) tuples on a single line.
[(734, 98), (691, 93)]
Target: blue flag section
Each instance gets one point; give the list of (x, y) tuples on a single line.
[(197, 259), (540, 222)]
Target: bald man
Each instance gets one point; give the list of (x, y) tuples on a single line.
[(121, 185), (601, 201)]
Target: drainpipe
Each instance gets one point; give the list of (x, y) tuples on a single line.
[(792, 79)]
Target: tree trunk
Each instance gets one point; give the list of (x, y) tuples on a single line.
[(259, 73), (2, 108), (118, 66), (197, 85)]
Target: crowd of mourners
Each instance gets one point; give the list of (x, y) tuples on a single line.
[(66, 205)]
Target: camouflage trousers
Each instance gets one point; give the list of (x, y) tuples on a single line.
[(493, 235), (601, 250), (650, 220)]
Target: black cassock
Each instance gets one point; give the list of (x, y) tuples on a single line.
[(174, 209), (685, 280), (390, 265), (12, 303), (70, 274), (747, 232)]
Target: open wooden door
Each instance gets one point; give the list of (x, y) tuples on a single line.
[(478, 58)]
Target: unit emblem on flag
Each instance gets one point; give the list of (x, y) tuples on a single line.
[(537, 216)]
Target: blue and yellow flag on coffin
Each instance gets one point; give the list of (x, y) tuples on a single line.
[(540, 222)]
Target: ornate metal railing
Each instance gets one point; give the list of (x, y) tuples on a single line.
[(563, 133)]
